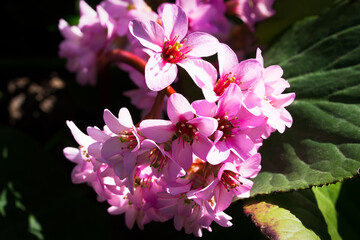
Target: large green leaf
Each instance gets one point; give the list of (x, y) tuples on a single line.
[(320, 58)]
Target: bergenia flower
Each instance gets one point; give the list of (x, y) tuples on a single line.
[(172, 46), (273, 101), (188, 133), (204, 16), (244, 74), (82, 44), (122, 11), (252, 11), (233, 121)]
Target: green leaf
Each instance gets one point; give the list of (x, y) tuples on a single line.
[(35, 227), (276, 222), (288, 12), (320, 58), (348, 209), (3, 202), (326, 198)]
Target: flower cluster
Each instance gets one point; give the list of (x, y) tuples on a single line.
[(190, 167)]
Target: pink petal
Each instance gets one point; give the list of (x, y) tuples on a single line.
[(72, 33), (210, 95), (201, 147), (227, 59), (218, 153), (95, 150), (230, 102), (158, 130), (207, 192), (80, 137), (283, 100), (175, 188), (182, 153), (72, 154), (125, 118), (179, 109), (113, 123), (272, 73), (203, 73), (158, 73), (285, 117), (130, 217), (129, 162), (149, 33), (223, 198), (242, 146), (259, 57), (97, 134), (248, 71), (205, 125), (204, 108), (112, 147), (86, 10), (175, 21), (251, 166), (201, 44)]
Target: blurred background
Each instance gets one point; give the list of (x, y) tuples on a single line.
[(37, 96)]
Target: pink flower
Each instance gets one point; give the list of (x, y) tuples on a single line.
[(188, 134), (252, 11), (82, 44), (233, 122), (231, 181), (244, 74), (122, 11), (204, 16), (172, 47), (273, 101)]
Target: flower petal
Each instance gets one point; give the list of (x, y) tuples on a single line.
[(97, 134), (204, 108), (149, 33), (175, 21), (112, 147), (205, 125), (179, 109), (201, 44), (80, 137), (158, 130), (203, 73), (113, 123), (158, 73), (227, 59), (125, 118)]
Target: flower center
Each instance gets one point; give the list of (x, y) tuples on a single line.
[(158, 160), (141, 181), (186, 132), (227, 126), (230, 180), (129, 138), (174, 51), (224, 82)]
